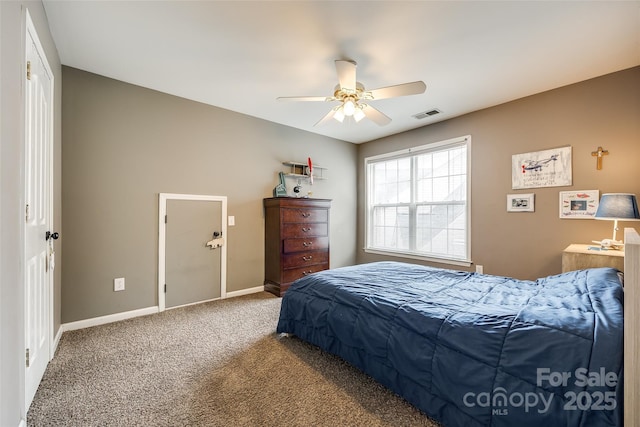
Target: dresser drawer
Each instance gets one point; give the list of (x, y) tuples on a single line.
[(303, 245), (298, 273), (305, 215), (305, 229), (302, 259)]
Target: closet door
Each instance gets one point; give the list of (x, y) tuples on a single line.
[(193, 270)]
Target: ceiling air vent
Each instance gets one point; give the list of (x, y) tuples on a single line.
[(426, 114)]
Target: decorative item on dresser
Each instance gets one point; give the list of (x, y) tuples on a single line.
[(296, 240)]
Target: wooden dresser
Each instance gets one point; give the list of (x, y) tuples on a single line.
[(296, 240)]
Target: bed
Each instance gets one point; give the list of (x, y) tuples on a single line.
[(471, 349)]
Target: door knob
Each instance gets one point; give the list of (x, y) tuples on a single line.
[(51, 235)]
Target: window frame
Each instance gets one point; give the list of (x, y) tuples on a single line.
[(410, 153)]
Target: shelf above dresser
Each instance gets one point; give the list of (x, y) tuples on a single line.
[(301, 170)]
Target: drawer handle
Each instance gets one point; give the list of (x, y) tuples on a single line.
[(305, 229), (306, 214), (306, 273), (307, 258), (305, 244)]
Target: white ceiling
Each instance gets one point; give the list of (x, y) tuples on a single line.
[(242, 55)]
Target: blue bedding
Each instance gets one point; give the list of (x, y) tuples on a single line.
[(471, 349)]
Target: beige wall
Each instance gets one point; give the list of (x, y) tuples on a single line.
[(601, 112), (123, 144), (12, 201)]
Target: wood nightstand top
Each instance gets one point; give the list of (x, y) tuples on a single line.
[(593, 249)]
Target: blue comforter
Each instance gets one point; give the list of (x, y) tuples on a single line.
[(471, 349)]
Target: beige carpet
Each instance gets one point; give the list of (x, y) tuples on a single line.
[(213, 364)]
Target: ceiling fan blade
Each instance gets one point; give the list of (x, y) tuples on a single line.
[(375, 115), (305, 98), (346, 75), (326, 118), (413, 88)]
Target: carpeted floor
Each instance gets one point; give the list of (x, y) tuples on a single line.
[(213, 364)]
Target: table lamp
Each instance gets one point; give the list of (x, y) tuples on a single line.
[(616, 207)]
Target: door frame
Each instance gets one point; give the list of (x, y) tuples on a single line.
[(30, 33), (162, 240)]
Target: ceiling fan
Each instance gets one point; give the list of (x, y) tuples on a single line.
[(353, 96)]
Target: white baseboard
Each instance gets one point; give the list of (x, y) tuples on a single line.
[(56, 340), (245, 292), (192, 303), (227, 295), (22, 424), (103, 320)]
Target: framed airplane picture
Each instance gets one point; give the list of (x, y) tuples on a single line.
[(547, 168)]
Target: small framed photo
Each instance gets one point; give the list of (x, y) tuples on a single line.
[(579, 204), (520, 202)]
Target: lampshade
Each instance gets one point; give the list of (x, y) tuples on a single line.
[(618, 206)]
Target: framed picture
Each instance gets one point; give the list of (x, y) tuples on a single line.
[(579, 204), (547, 168), (520, 202)]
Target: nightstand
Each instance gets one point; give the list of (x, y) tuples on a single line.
[(578, 257)]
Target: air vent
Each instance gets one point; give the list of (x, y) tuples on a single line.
[(426, 114)]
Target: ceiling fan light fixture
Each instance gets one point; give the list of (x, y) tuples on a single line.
[(349, 107), (349, 93)]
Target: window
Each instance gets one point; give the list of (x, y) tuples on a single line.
[(417, 202)]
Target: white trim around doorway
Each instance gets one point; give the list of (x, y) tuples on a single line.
[(162, 212)]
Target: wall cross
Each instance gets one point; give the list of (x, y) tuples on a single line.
[(598, 154)]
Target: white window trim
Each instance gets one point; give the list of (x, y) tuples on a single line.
[(407, 254)]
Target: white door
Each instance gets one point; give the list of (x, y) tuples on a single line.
[(189, 271), (38, 255)]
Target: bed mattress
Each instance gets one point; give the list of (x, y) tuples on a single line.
[(471, 349)]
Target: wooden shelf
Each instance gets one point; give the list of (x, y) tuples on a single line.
[(301, 170)]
